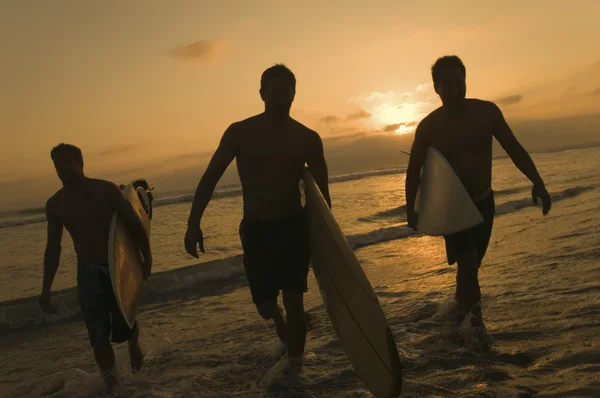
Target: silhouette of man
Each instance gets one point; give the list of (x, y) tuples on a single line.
[(84, 206), (271, 150), (462, 130)]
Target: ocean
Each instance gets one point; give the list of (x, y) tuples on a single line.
[(540, 285)]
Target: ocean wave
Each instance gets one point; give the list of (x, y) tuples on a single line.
[(365, 174), (24, 313), (188, 197), (399, 212), (395, 212), (380, 235), (23, 221), (514, 205), (15, 218)]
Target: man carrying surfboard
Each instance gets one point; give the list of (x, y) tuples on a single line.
[(462, 130), (271, 150), (85, 206)]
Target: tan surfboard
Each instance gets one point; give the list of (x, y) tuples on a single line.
[(351, 302), (443, 205), (124, 258)]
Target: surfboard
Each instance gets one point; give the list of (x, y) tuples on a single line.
[(124, 258), (351, 302), (443, 204)]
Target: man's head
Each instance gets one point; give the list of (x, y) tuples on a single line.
[(278, 89), (449, 80), (68, 162)]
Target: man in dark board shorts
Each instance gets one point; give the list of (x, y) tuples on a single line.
[(271, 150), (84, 206), (462, 130)]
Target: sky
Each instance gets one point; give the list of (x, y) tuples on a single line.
[(146, 88)]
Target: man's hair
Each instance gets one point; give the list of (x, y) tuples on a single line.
[(67, 148), (444, 63), (277, 71)]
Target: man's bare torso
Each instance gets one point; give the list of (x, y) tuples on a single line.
[(466, 141), (270, 161), (86, 213)]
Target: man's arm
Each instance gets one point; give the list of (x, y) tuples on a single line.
[(416, 160), (133, 222), (519, 156), (53, 246), (221, 159), (318, 166), (513, 148)]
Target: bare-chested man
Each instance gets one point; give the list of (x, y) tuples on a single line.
[(84, 206), (271, 150), (463, 129)]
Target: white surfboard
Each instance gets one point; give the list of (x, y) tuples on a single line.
[(124, 258), (443, 204), (351, 302)]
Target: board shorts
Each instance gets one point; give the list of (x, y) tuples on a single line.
[(99, 306), (474, 238), (276, 255)]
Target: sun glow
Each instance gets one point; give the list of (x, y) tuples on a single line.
[(399, 119), (398, 113)]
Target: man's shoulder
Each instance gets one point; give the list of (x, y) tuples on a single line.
[(248, 122), (102, 186), (55, 200), (241, 127), (482, 105), (304, 130), (429, 120), (102, 183)]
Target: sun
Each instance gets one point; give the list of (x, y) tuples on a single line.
[(397, 112), (405, 115)]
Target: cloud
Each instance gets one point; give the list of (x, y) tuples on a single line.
[(343, 138), (117, 150), (329, 119), (335, 125), (23, 181), (392, 128), (201, 51), (510, 100), (358, 115), (362, 114), (194, 155)]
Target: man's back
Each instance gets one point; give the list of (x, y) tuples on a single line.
[(466, 141), (270, 160)]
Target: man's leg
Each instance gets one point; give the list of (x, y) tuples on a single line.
[(257, 241), (270, 310), (121, 332), (468, 291), (136, 356), (296, 323), (118, 327), (105, 358), (95, 308)]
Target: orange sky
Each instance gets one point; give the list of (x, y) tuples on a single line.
[(140, 83)]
